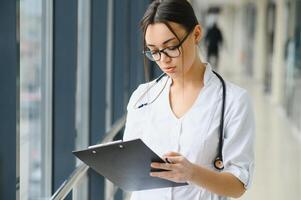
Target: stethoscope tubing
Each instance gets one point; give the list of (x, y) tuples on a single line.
[(218, 162)]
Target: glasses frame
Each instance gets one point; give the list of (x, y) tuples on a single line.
[(148, 53)]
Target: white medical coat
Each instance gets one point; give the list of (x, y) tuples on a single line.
[(196, 134)]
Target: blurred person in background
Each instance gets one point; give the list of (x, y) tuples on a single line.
[(213, 42)]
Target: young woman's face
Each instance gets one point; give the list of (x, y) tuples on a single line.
[(158, 37)]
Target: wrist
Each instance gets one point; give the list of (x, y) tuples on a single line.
[(193, 173)]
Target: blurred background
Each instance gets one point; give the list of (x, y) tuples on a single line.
[(69, 66)]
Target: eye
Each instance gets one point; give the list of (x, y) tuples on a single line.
[(172, 48), (154, 52)]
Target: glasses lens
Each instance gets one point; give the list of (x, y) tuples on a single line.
[(172, 52), (152, 56)]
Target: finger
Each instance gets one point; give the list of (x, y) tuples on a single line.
[(164, 175), (165, 166), (171, 153), (175, 159)]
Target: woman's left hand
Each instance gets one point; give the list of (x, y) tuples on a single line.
[(180, 169)]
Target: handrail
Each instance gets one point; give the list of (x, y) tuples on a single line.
[(81, 170)]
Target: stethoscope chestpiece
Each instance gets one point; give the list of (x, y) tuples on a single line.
[(218, 163)]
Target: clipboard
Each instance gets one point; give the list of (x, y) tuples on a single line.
[(126, 164)]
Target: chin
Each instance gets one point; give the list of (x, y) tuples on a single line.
[(175, 75), (172, 75)]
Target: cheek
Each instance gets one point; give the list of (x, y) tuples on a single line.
[(183, 62), (159, 64), (186, 59)]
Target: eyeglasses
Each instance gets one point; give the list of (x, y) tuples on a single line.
[(172, 51)]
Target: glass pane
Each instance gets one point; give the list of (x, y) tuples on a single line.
[(30, 99), (82, 90)]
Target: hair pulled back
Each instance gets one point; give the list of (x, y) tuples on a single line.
[(165, 11)]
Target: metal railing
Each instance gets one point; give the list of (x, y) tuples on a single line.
[(82, 169)]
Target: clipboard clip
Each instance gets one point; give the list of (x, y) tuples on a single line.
[(105, 144)]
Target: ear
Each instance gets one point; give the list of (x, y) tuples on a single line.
[(198, 33)]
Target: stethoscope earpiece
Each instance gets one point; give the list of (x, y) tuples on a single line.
[(218, 163), (148, 89)]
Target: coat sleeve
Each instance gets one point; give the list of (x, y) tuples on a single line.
[(239, 137)]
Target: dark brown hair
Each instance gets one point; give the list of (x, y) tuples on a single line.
[(166, 11)]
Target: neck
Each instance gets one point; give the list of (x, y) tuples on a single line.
[(194, 76)]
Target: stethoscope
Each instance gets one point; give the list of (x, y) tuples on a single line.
[(218, 161)]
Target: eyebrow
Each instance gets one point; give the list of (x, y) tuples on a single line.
[(166, 41)]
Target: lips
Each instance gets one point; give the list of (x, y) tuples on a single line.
[(169, 69)]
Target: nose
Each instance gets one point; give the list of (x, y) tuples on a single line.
[(165, 58)]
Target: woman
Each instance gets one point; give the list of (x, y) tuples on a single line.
[(179, 114)]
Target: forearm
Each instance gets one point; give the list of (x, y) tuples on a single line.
[(221, 183), (179, 169)]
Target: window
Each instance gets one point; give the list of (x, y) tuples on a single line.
[(82, 89), (35, 99)]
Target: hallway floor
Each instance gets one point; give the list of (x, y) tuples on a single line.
[(278, 148)]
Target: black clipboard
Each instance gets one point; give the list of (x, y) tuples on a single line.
[(126, 164)]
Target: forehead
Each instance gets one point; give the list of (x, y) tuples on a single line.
[(158, 33)]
